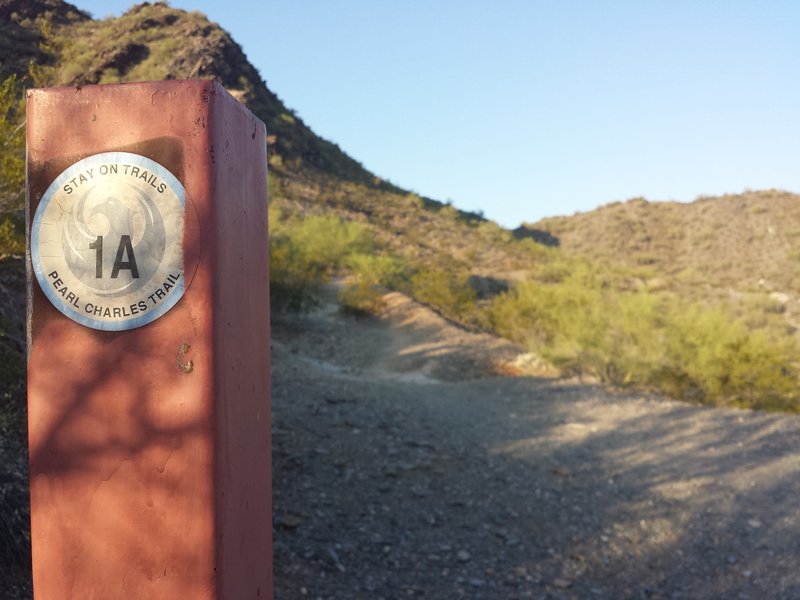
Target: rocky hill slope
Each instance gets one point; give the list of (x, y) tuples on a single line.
[(152, 42), (748, 241)]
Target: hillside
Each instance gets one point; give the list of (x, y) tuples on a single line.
[(747, 242), (152, 42), (609, 293)]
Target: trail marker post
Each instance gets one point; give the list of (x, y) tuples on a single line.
[(148, 365)]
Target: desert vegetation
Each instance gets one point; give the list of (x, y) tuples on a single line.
[(586, 318), (583, 322), (306, 252)]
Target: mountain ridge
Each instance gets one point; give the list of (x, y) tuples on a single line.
[(154, 41)]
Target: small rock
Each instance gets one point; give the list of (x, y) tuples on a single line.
[(336, 562), (754, 523), (463, 556), (418, 491), (288, 521)]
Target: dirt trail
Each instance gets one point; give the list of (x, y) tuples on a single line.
[(407, 343), (404, 469)]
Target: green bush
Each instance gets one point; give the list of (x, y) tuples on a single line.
[(370, 277), (305, 252), (328, 241), (713, 357), (12, 237), (447, 291), (12, 146), (583, 324)]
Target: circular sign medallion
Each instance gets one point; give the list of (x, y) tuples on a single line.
[(107, 241)]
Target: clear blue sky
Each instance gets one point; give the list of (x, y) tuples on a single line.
[(532, 108)]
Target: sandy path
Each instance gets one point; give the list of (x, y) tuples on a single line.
[(401, 469)]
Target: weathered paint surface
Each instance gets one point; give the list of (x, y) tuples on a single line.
[(150, 448)]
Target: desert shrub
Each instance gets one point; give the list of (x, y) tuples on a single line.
[(714, 357), (12, 237), (294, 283), (564, 318), (370, 277), (415, 201), (274, 188), (581, 323), (330, 241), (12, 145), (450, 212), (447, 291), (305, 252)]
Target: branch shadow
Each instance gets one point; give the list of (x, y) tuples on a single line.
[(526, 488), (115, 455)]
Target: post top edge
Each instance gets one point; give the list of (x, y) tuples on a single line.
[(201, 84)]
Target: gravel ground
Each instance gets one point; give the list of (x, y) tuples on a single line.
[(403, 469)]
